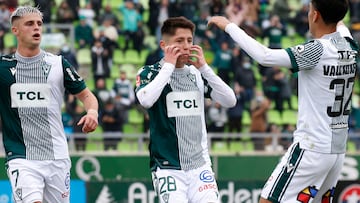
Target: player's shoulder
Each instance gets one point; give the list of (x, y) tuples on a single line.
[(154, 68), (7, 60), (311, 46)]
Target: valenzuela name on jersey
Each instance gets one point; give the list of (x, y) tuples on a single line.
[(331, 70)]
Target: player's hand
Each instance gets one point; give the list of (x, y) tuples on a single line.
[(89, 122), (220, 21), (196, 56), (171, 54)]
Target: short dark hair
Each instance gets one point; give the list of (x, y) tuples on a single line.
[(332, 11), (171, 24)]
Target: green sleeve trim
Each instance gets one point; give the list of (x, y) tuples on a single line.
[(295, 67)]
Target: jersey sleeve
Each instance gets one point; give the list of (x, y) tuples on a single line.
[(260, 53), (305, 56), (150, 83), (73, 82), (217, 89)]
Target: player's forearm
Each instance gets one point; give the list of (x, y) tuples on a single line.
[(221, 92), (149, 94), (261, 54), (89, 100)]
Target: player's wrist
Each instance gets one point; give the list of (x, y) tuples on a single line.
[(93, 112)]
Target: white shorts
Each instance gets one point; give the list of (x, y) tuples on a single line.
[(193, 186), (304, 176), (45, 181)]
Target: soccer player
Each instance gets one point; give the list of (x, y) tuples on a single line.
[(326, 67), (173, 92), (32, 84)]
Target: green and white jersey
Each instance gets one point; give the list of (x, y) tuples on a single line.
[(32, 92), (175, 101), (326, 74), (327, 68)]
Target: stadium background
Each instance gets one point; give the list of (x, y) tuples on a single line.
[(122, 175)]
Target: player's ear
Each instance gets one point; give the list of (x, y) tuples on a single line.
[(316, 16), (162, 44)]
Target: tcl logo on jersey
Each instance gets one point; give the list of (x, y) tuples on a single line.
[(30, 95), (183, 104)]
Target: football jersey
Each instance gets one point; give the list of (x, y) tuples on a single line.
[(326, 75), (178, 138), (31, 96)]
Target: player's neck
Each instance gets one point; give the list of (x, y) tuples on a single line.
[(28, 52), (324, 30)]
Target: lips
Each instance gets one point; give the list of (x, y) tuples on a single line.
[(37, 35)]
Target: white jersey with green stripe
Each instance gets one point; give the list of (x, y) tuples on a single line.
[(326, 75), (327, 68), (175, 101), (31, 96)]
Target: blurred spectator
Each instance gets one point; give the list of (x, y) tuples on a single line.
[(301, 21), (75, 6), (99, 61), (222, 58), (124, 95), (201, 28), (87, 12), (154, 56), (96, 5), (217, 119), (236, 11), (163, 14), (80, 142), (132, 26), (4, 24), (245, 78), (69, 55), (259, 122), (108, 35), (275, 32), (108, 14), (45, 6), (282, 91), (354, 11), (64, 13), (217, 7), (189, 9), (76, 111), (253, 10), (84, 34), (102, 93), (12, 4), (288, 129), (235, 113), (111, 121), (282, 9)]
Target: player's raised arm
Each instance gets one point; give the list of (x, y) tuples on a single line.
[(259, 52)]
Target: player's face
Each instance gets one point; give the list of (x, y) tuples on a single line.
[(183, 39), (28, 30)]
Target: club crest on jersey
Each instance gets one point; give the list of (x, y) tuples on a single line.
[(13, 70), (18, 193), (46, 68), (184, 104), (165, 197), (192, 77)]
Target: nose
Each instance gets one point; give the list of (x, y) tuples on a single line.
[(187, 45)]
